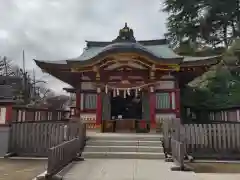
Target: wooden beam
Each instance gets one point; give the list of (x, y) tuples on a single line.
[(113, 80)]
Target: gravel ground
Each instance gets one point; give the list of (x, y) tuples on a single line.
[(12, 169), (215, 167)]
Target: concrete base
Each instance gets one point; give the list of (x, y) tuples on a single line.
[(169, 159), (98, 128), (122, 155), (4, 140), (153, 130), (183, 168), (153, 149)]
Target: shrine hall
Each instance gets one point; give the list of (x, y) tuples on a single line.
[(127, 85)]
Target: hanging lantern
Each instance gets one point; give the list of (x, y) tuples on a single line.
[(106, 89)]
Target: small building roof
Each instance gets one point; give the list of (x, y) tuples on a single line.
[(6, 94), (200, 61)]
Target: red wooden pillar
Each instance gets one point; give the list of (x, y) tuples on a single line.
[(177, 102), (9, 113), (170, 100), (152, 108), (99, 109)]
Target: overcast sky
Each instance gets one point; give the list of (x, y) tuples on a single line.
[(57, 29)]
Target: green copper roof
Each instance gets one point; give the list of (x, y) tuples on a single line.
[(159, 51), (125, 42), (156, 50)]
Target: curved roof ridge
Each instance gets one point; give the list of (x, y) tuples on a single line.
[(143, 42)]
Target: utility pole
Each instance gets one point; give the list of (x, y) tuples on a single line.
[(33, 85), (25, 85), (24, 70)]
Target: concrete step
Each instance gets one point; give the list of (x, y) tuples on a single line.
[(158, 149), (123, 143), (122, 155), (133, 137)]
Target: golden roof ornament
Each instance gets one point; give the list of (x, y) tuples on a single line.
[(125, 34)]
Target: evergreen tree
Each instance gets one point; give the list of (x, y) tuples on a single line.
[(214, 22)]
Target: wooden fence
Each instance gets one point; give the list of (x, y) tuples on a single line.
[(61, 155), (215, 140), (212, 140), (23, 113), (227, 114), (178, 153), (170, 126), (35, 138)]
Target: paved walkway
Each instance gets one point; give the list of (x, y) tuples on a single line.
[(12, 169), (125, 169), (135, 169)]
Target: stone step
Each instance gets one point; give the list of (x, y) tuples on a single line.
[(123, 149), (133, 137), (122, 155), (122, 143)]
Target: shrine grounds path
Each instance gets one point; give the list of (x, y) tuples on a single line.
[(134, 169), (21, 169)]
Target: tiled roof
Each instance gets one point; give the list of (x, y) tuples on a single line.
[(6, 93)]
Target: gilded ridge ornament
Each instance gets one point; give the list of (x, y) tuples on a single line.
[(125, 34)]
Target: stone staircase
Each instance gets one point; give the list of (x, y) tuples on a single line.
[(124, 146)]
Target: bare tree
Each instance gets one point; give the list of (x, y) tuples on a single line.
[(6, 67)]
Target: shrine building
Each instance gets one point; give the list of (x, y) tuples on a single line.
[(126, 84)]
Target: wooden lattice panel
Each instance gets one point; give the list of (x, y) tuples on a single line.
[(89, 119), (90, 125)]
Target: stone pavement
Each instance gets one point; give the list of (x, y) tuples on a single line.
[(22, 169), (125, 169), (133, 169)]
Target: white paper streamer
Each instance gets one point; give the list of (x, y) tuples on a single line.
[(114, 92), (136, 92), (106, 89), (128, 91)]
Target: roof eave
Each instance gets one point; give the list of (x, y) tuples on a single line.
[(52, 65), (205, 62)]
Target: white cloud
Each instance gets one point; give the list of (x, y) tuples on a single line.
[(57, 29)]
